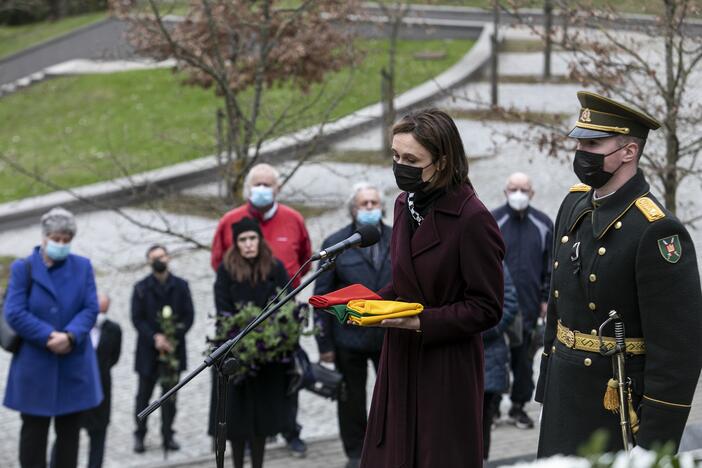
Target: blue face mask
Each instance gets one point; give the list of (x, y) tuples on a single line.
[(371, 217), (261, 196), (56, 251)]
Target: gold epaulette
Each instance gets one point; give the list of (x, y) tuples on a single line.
[(580, 188), (649, 209)]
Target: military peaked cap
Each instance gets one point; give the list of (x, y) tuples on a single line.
[(601, 117)]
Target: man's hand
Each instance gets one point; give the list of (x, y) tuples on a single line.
[(408, 323), (544, 308), (162, 344), (327, 357), (59, 343)]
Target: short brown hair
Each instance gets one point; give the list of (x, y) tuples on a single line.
[(623, 140), (241, 269), (436, 131)]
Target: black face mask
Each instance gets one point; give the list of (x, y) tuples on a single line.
[(589, 167), (158, 266), (409, 178)]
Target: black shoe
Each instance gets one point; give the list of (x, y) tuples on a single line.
[(171, 444), (520, 418), (297, 447), (139, 444)]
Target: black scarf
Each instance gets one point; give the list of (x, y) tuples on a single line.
[(419, 204)]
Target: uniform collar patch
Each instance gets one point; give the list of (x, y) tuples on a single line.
[(670, 248)]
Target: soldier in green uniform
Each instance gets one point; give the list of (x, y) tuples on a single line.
[(617, 248)]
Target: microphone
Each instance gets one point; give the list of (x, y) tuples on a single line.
[(364, 236)]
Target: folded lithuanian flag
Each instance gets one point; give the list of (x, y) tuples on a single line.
[(338, 311), (335, 301), (342, 296), (371, 312)]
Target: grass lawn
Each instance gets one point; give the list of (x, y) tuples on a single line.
[(15, 38), (79, 130)]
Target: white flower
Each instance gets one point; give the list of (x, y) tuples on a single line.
[(554, 462), (167, 312)]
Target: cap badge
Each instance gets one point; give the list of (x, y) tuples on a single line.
[(585, 116)]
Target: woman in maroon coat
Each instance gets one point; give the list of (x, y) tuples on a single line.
[(447, 255)]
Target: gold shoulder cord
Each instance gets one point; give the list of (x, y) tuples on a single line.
[(580, 188), (649, 209)]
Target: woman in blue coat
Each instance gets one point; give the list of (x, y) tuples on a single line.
[(496, 353), (52, 305)]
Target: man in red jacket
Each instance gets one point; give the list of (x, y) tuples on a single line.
[(284, 230), (283, 227)]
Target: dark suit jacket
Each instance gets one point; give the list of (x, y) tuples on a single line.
[(108, 351), (148, 299), (427, 401), (353, 266)]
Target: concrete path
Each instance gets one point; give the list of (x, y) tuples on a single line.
[(101, 40)]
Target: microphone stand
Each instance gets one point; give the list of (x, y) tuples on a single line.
[(226, 367)]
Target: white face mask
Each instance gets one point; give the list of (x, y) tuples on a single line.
[(518, 200)]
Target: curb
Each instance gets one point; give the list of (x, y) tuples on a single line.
[(125, 190)]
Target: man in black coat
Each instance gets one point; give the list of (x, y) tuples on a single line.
[(616, 248), (106, 337), (349, 347), (161, 293)]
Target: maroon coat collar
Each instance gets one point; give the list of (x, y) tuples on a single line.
[(428, 235)]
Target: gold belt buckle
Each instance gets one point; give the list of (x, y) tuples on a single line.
[(569, 338)]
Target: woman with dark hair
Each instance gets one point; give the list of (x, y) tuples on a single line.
[(447, 255), (257, 404)]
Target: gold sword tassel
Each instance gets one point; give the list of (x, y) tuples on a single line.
[(611, 399)]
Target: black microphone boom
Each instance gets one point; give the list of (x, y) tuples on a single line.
[(364, 236)]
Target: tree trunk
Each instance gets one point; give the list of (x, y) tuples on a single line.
[(235, 156), (548, 21), (670, 126), (388, 77), (386, 101), (495, 51)]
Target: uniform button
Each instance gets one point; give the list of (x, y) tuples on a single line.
[(553, 349), (592, 306), (593, 332), (588, 362), (555, 293), (555, 264), (601, 251), (618, 225), (564, 239), (593, 278)]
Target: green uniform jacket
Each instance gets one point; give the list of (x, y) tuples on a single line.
[(624, 253)]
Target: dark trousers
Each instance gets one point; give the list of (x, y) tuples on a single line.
[(522, 369), (34, 435), (351, 406), (491, 404), (294, 428), (257, 447), (97, 447), (168, 410)]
